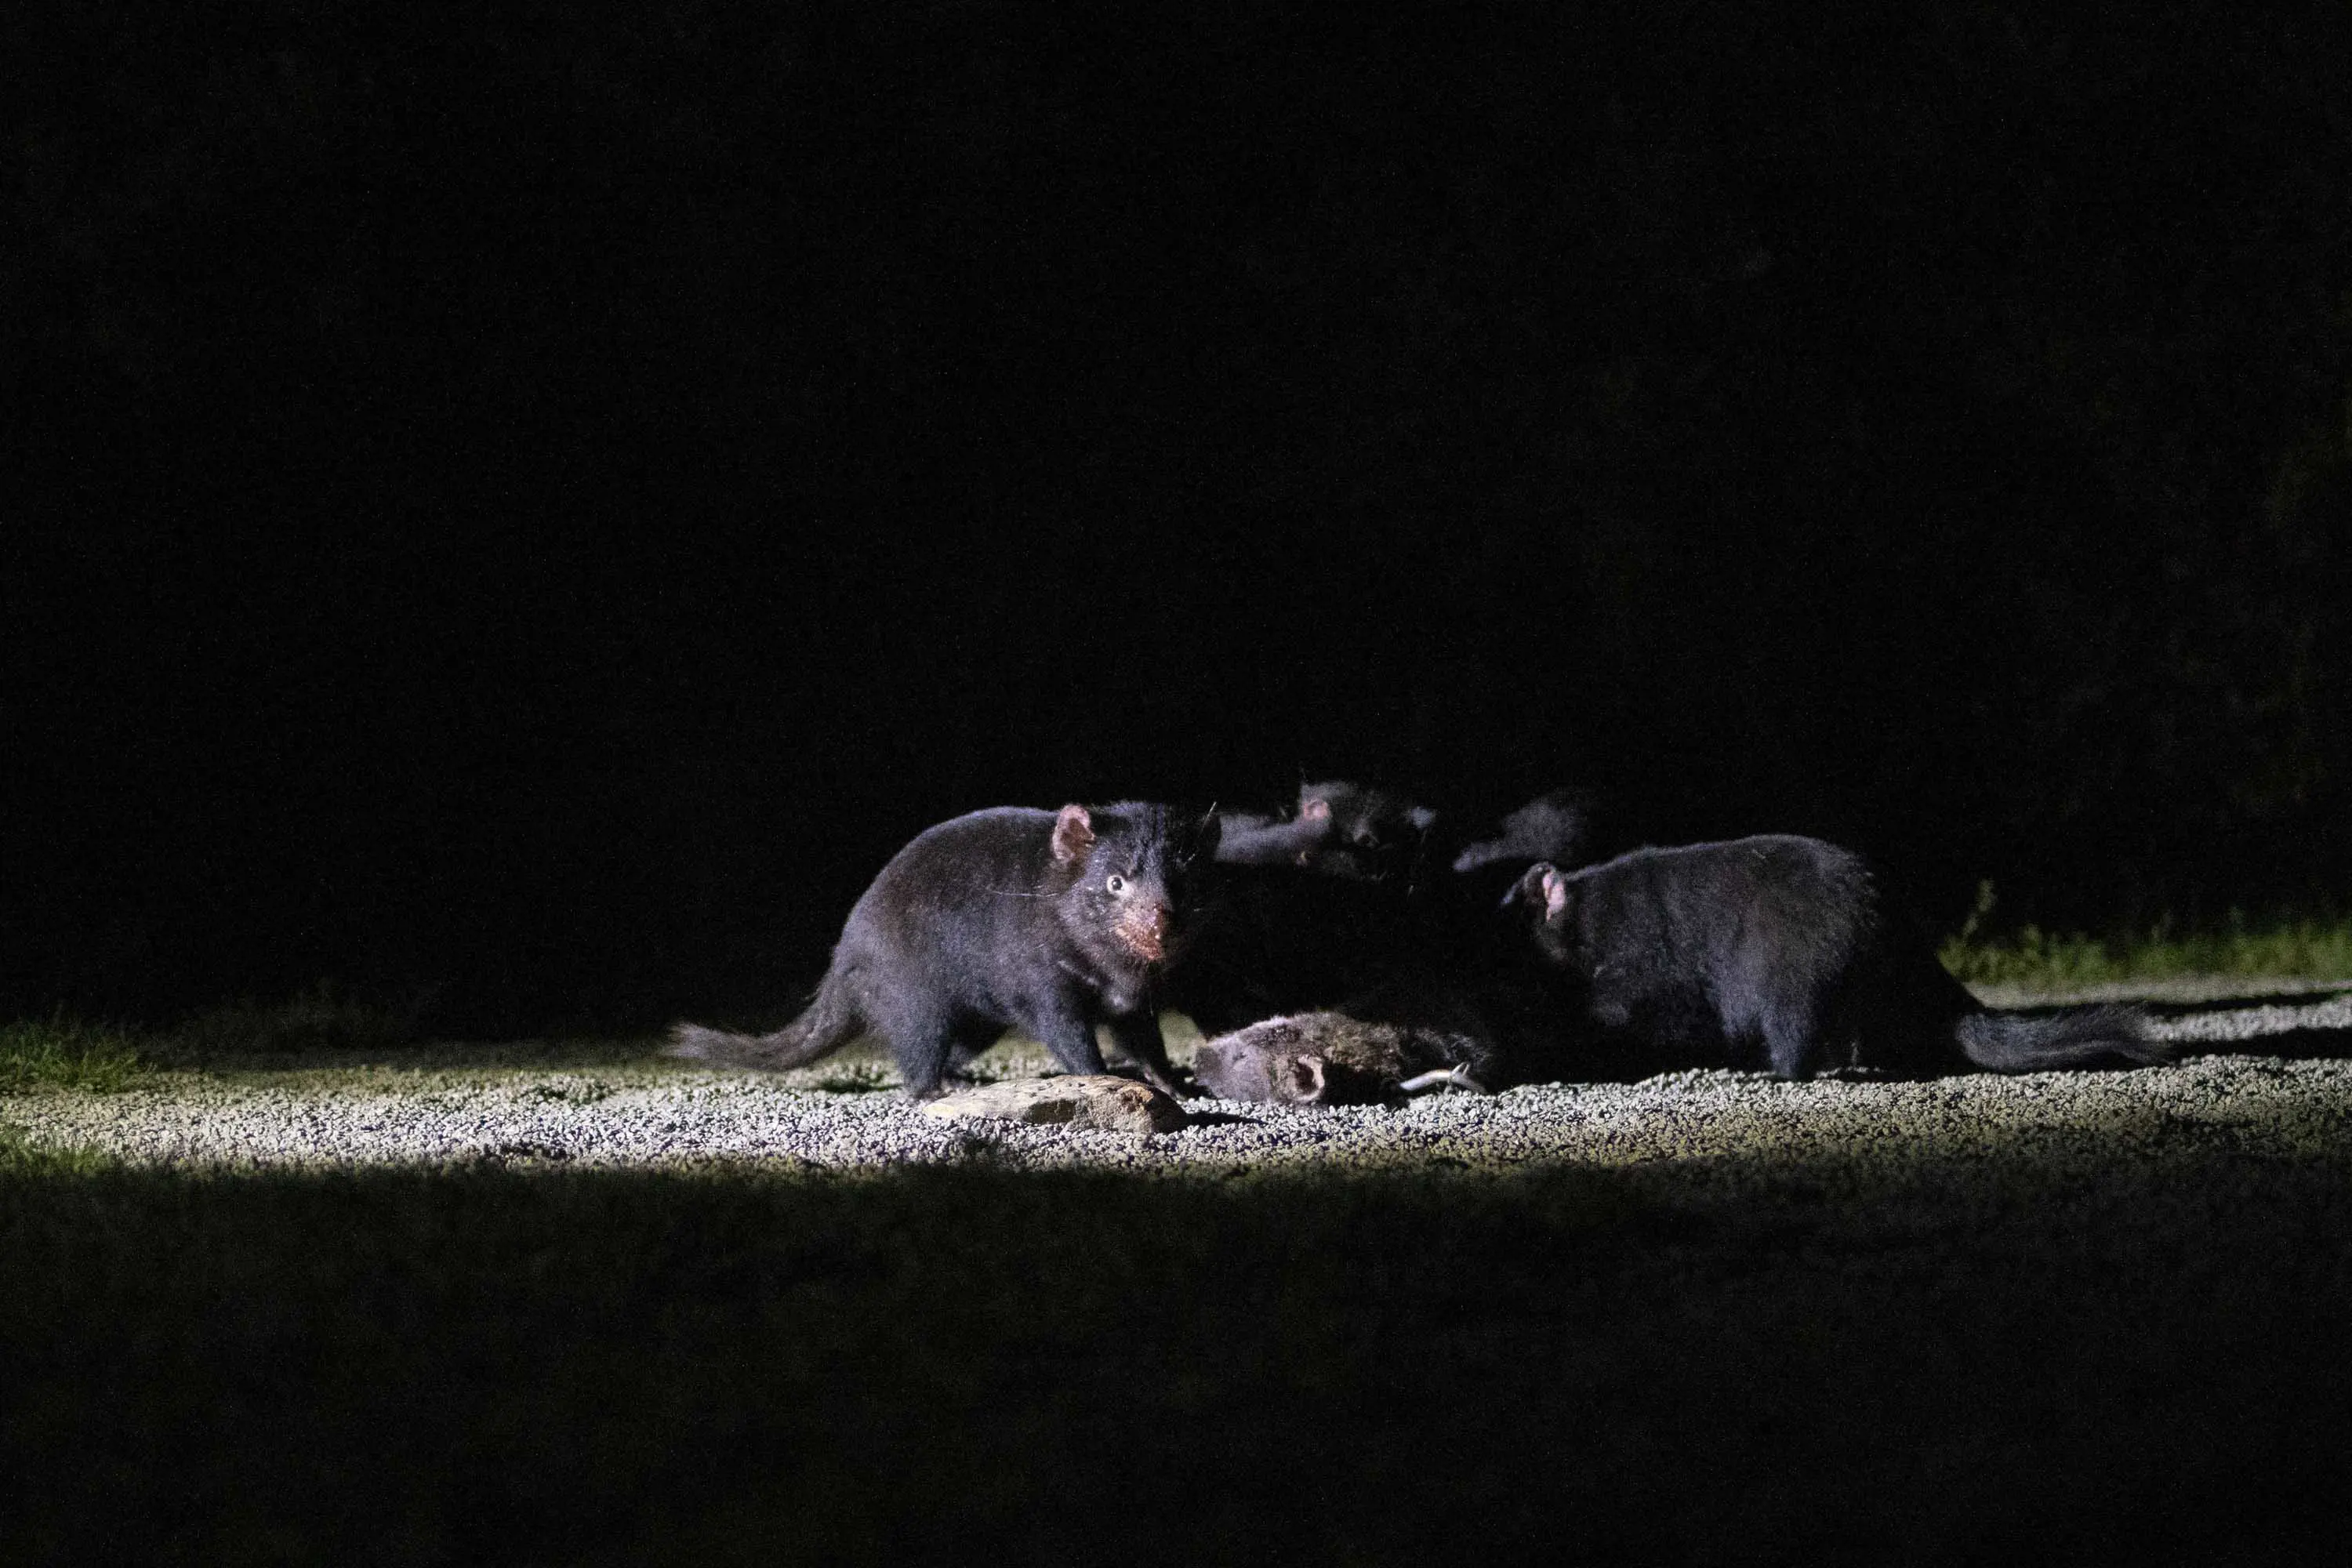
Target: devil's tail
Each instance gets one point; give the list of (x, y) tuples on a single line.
[(829, 1022), (2070, 1038)]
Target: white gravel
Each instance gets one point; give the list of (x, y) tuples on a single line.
[(652, 1113)]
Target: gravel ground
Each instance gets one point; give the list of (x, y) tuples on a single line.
[(1709, 1318), (2276, 1084)]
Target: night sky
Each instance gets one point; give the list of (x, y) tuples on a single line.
[(531, 505)]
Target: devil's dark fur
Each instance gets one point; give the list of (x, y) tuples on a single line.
[(1337, 828), (1779, 951), (1275, 939), (1558, 826), (1252, 838), (1041, 921), (1375, 833), (1310, 910)]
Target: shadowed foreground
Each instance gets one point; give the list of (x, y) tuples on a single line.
[(1995, 1347)]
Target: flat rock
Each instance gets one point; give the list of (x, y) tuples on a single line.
[(1092, 1101)]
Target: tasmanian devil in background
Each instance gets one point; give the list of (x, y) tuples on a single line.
[(1309, 910), (1041, 921), (1255, 839), (1363, 971), (1780, 951), (1337, 828), (1559, 825)]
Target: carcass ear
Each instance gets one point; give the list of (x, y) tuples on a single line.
[(1422, 818), (1073, 834), (1315, 808), (1307, 1085)]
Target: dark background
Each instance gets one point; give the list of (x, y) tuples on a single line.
[(538, 501)]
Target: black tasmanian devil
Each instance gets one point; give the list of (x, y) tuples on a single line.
[(1781, 951), (1338, 829), (1041, 921), (1559, 826)]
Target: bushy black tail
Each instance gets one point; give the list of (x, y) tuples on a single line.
[(2072, 1037), (828, 1023)]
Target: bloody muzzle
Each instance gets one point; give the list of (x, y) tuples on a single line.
[(1145, 932)]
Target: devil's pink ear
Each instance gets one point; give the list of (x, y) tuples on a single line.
[(1315, 808), (1540, 887), (1555, 894), (1073, 834), (1307, 1085)]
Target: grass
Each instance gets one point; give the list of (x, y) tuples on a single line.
[(316, 1020), (63, 1052), (2275, 948), (316, 1025), (2293, 949), (1664, 1364)]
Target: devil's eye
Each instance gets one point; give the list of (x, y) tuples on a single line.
[(1117, 884)]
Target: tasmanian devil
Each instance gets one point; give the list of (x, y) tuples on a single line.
[(1375, 832), (1308, 910), (1558, 826), (1337, 828), (1781, 951), (1044, 922), (1255, 838)]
